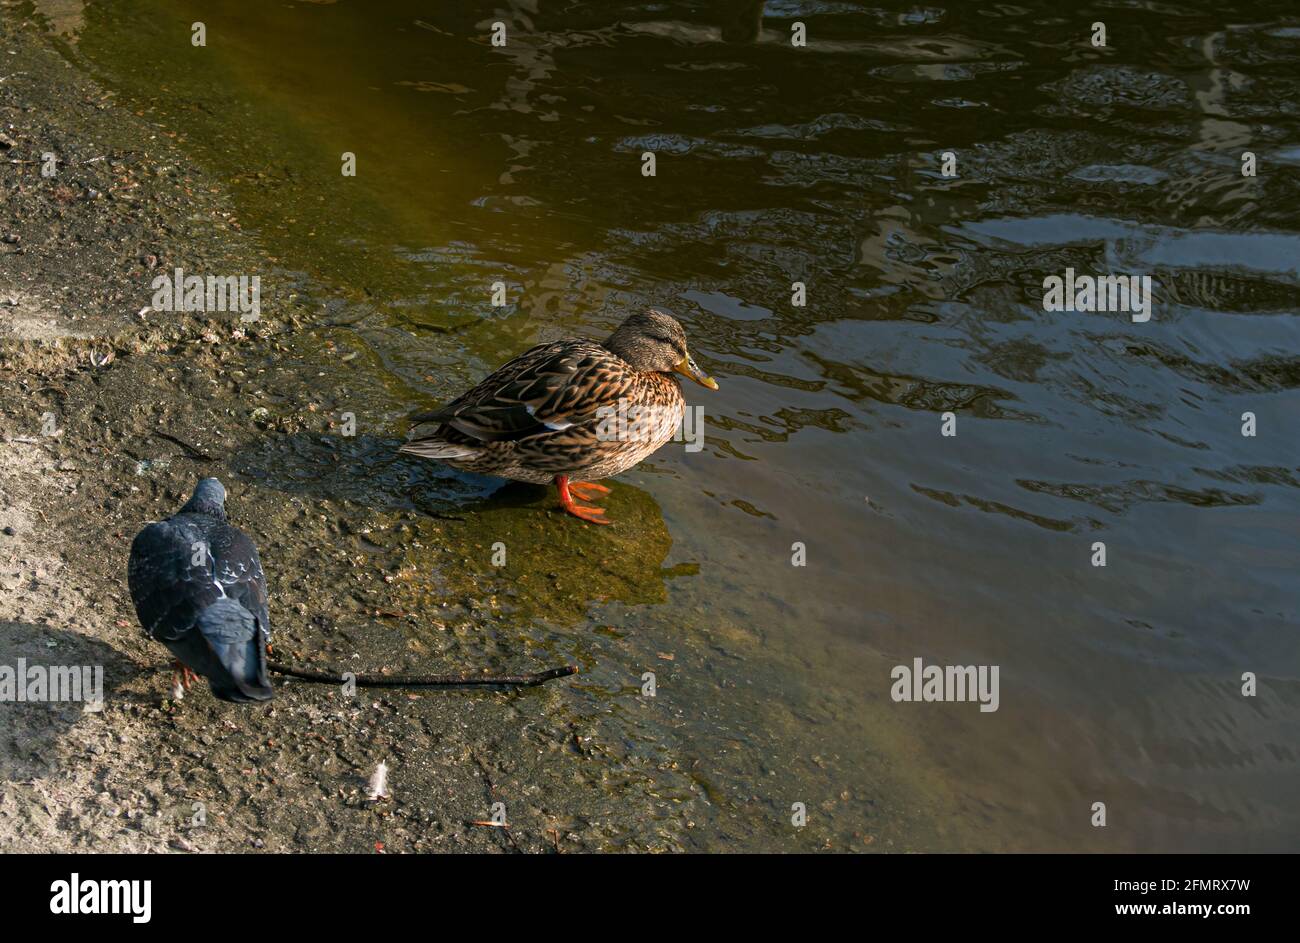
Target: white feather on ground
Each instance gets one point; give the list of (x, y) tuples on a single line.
[(378, 786)]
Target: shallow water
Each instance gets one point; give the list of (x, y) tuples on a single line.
[(822, 165)]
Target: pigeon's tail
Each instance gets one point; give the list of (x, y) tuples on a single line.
[(237, 655)]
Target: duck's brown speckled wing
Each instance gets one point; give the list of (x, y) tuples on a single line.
[(547, 389)]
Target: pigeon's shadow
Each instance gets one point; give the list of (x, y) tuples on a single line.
[(41, 662)]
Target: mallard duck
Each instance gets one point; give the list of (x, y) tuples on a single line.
[(569, 412)]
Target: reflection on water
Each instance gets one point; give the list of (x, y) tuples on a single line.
[(822, 165)]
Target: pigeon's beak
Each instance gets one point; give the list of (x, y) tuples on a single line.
[(687, 368)]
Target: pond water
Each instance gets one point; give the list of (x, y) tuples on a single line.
[(824, 165)]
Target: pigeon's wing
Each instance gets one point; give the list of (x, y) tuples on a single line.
[(238, 569), (238, 627), (170, 578), (235, 655)]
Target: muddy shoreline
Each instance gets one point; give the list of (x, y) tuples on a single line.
[(145, 774), (91, 377)]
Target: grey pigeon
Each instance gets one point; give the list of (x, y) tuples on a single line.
[(198, 588)]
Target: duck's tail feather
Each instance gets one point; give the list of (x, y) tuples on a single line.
[(434, 447)]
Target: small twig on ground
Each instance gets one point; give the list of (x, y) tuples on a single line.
[(193, 452), (428, 681), (492, 793)]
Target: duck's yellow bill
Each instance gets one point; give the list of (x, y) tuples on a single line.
[(687, 368)]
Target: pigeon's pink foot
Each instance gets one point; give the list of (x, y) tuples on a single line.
[(182, 678)]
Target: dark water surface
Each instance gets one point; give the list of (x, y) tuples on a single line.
[(822, 165)]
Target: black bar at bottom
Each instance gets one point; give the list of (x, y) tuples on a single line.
[(380, 894)]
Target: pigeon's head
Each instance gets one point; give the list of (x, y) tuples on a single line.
[(208, 498)]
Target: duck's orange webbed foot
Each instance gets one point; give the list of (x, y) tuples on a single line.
[(587, 491)]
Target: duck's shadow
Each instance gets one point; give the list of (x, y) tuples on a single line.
[(363, 469), (557, 564), (369, 471)]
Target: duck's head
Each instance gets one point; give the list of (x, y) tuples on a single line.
[(652, 341)]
